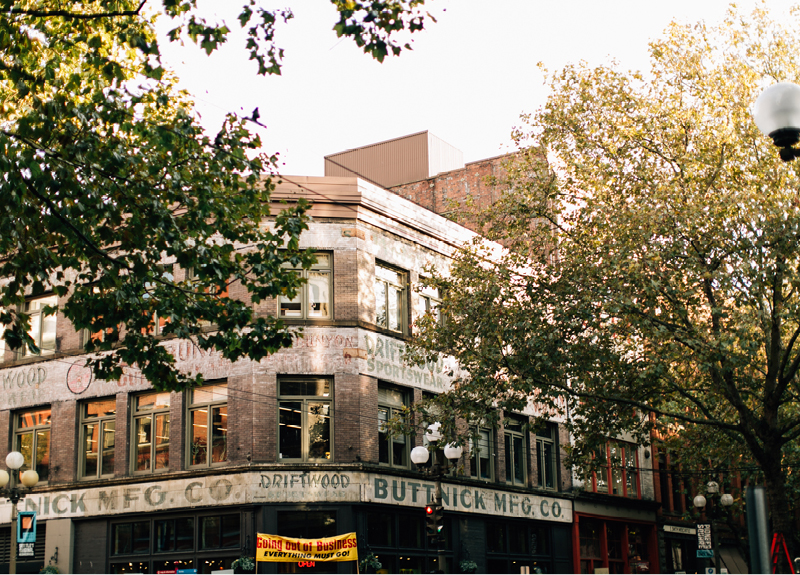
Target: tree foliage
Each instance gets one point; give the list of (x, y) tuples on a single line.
[(112, 197), (651, 281)]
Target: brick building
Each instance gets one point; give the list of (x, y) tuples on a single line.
[(136, 481), (615, 524)]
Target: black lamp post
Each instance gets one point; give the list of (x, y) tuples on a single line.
[(777, 114), (15, 493), (443, 460), (726, 500)]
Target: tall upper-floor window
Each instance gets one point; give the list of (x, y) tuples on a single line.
[(480, 450), (98, 426), (208, 425), (32, 439), (546, 458), (43, 324), (313, 300), (151, 432), (390, 296), (304, 421), (428, 301), (393, 449), (616, 470), (516, 449)]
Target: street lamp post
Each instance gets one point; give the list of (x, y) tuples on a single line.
[(777, 114), (726, 500), (29, 478), (443, 460)]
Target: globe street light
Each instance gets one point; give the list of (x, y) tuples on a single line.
[(777, 114), (29, 478), (420, 456)]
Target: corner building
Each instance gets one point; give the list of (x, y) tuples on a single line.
[(139, 481)]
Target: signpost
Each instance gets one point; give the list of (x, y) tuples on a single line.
[(705, 546), (26, 533)]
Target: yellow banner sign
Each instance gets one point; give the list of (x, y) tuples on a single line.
[(289, 549)]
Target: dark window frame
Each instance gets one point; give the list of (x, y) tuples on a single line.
[(286, 403), (387, 405), (388, 286), (304, 292), (34, 430), (102, 421), (140, 415), (209, 406)]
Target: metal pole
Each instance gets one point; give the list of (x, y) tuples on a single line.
[(12, 560), (714, 537), (438, 454)]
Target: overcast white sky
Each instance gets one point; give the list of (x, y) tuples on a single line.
[(467, 80)]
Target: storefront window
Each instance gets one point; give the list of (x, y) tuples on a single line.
[(514, 545), (174, 534), (618, 546), (207, 543), (399, 542)]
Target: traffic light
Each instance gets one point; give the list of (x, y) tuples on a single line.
[(434, 515)]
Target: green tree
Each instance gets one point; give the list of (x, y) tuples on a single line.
[(651, 280), (108, 185)]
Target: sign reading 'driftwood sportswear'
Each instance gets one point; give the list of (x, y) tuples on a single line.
[(256, 487)]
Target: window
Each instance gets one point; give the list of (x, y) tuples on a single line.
[(43, 325), (480, 449), (304, 421), (167, 275), (546, 458), (513, 545), (32, 439), (616, 470), (390, 286), (428, 300), (392, 449), (515, 444), (313, 300), (220, 292), (195, 542), (208, 425), (151, 432), (399, 541), (98, 419)]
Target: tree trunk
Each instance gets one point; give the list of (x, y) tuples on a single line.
[(779, 506)]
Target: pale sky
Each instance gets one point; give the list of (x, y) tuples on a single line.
[(467, 80)]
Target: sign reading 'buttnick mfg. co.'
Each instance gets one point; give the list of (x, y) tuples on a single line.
[(254, 487)]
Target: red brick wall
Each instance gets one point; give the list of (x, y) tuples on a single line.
[(121, 437), (355, 419), (177, 434), (265, 418), (440, 192), (345, 285), (63, 441)]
